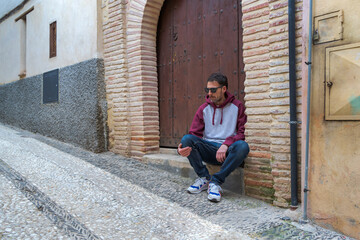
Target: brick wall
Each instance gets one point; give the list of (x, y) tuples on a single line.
[(129, 29), (258, 177), (116, 75), (132, 91), (143, 84), (265, 24), (279, 94)]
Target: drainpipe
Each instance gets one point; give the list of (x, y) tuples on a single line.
[(308, 113), (293, 118)]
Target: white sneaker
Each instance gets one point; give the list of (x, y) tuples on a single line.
[(214, 192), (199, 185)]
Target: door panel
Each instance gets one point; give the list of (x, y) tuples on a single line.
[(228, 47), (195, 92), (180, 76), (195, 38), (165, 72), (211, 31)]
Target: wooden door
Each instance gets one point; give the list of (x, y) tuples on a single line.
[(195, 38)]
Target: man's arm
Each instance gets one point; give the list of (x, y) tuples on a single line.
[(241, 120), (196, 129), (221, 153), (198, 124)]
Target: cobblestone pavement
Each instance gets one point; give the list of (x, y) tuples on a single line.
[(53, 190)]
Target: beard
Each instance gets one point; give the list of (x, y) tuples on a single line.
[(216, 100)]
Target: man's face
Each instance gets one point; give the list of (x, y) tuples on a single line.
[(219, 96)]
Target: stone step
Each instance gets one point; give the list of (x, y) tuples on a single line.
[(167, 159), (168, 151)]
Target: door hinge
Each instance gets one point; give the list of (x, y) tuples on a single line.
[(316, 36)]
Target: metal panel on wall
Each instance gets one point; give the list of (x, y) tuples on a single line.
[(51, 86), (342, 94)]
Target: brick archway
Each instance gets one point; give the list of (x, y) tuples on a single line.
[(142, 19), (129, 33)]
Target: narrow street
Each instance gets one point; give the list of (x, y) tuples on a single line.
[(53, 190)]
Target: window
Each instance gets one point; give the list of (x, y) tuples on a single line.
[(53, 39)]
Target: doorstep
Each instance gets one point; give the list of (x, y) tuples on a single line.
[(167, 159)]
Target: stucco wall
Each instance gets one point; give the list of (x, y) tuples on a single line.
[(78, 37), (334, 167), (9, 51), (79, 117)]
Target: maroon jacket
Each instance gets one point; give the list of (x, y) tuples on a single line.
[(223, 124)]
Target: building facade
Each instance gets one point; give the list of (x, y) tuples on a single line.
[(130, 73), (52, 73)]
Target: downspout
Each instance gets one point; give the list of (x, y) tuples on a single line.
[(308, 114), (293, 118)]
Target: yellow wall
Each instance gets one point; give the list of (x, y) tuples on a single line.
[(334, 168)]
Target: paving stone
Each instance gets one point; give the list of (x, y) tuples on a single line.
[(77, 194), (19, 216)]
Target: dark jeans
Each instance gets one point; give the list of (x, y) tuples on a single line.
[(203, 150)]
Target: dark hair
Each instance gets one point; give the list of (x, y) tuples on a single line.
[(220, 78)]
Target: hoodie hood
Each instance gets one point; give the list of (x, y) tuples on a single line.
[(228, 99)]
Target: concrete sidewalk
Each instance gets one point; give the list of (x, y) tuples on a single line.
[(53, 190)]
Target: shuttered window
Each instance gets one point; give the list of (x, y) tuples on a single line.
[(53, 39)]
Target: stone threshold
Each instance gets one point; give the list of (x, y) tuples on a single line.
[(167, 159)]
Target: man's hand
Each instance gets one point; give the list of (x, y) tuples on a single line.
[(184, 151), (221, 153)]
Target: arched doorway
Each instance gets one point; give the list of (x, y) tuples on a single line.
[(194, 39)]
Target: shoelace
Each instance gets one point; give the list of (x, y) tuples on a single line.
[(199, 181), (215, 188)]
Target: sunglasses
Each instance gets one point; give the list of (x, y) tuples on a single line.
[(213, 90)]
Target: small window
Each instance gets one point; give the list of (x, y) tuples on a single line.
[(53, 39)]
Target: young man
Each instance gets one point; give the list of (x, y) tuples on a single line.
[(216, 136)]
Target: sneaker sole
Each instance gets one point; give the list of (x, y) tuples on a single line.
[(199, 191), (213, 200)]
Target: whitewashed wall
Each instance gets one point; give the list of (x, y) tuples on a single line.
[(78, 37)]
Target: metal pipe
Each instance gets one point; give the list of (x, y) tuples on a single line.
[(308, 113), (293, 117)]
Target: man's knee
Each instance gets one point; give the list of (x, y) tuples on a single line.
[(188, 140), (240, 147)]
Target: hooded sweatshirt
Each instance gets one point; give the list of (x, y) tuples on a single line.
[(223, 124)]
